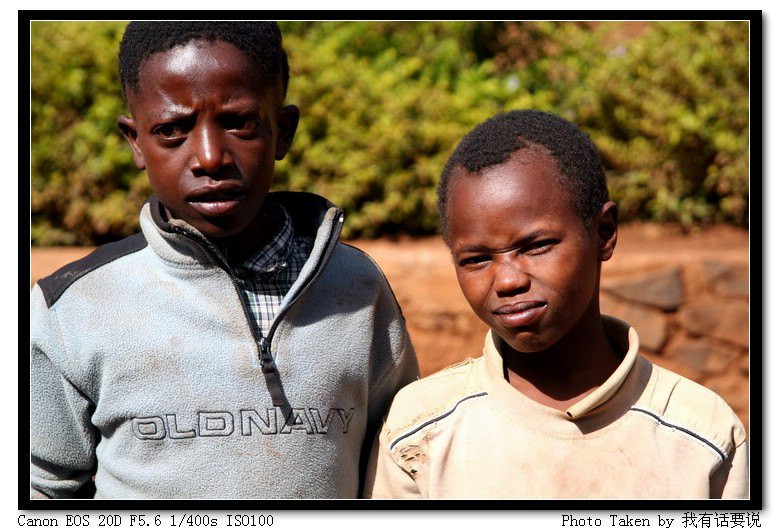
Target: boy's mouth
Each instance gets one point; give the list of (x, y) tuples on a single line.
[(216, 200), (520, 313)]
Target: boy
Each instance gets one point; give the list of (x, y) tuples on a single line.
[(559, 405), (234, 348)]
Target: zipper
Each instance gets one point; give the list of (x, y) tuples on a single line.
[(267, 363)]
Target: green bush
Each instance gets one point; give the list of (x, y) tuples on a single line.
[(671, 118), (85, 188), (668, 111), (383, 105)]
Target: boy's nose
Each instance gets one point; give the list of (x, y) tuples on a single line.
[(510, 278), (211, 154)]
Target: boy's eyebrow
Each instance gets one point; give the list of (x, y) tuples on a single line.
[(177, 111), (522, 241), (181, 111)]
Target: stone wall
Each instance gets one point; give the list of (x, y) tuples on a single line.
[(692, 318)]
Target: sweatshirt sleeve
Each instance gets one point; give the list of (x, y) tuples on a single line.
[(395, 361), (62, 437), (393, 366), (730, 480), (403, 368), (385, 479)]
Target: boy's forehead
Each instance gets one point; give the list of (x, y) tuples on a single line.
[(530, 175), (188, 57), (531, 165), (193, 57), (182, 58)]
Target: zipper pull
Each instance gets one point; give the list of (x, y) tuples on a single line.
[(271, 374), (266, 361)]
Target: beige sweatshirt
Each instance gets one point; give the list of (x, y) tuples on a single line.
[(646, 433)]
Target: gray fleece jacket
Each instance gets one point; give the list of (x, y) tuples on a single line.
[(147, 370)]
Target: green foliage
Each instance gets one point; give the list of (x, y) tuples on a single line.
[(383, 105), (669, 113), (85, 188), (673, 112)]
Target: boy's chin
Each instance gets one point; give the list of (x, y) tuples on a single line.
[(221, 232), (524, 342), (223, 226), (224, 235)]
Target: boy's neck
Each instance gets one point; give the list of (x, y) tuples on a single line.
[(568, 371), (238, 248)]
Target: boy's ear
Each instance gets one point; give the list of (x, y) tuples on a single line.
[(607, 228), (130, 132), (288, 123)]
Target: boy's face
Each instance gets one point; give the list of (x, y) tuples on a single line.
[(525, 261), (207, 127)]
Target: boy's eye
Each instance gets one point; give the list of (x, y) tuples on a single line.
[(247, 124), (171, 131), (539, 247), (473, 260)]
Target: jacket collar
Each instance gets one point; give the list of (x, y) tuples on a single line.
[(183, 246)]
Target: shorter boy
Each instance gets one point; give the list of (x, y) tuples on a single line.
[(234, 348), (560, 405)]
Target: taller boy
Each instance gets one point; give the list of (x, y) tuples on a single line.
[(234, 348)]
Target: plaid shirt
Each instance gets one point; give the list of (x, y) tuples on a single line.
[(267, 275)]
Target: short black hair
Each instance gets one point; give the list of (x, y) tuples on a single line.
[(494, 141), (260, 41)]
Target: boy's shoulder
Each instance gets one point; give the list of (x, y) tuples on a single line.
[(54, 285), (432, 398), (348, 255), (677, 402), (354, 268), (313, 215)]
